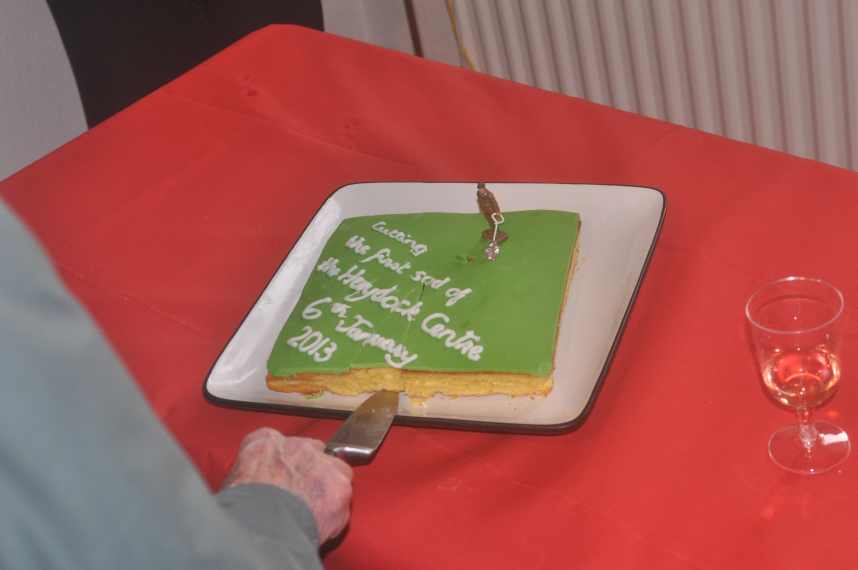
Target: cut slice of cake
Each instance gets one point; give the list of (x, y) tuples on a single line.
[(409, 302)]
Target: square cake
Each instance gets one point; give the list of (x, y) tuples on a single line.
[(412, 303)]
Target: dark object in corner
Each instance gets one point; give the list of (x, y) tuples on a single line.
[(120, 50)]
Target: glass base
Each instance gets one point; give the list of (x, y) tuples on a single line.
[(832, 447)]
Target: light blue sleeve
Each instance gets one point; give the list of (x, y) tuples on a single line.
[(89, 478)]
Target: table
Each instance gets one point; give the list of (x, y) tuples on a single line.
[(168, 219)]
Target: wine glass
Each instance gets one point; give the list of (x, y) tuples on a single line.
[(795, 326)]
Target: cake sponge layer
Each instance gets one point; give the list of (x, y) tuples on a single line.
[(419, 385)]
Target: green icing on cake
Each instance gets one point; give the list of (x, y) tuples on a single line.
[(438, 305)]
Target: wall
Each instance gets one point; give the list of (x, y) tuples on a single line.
[(39, 104), (380, 22)]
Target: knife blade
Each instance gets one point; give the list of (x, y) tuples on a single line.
[(360, 436)]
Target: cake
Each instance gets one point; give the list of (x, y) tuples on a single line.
[(413, 303)]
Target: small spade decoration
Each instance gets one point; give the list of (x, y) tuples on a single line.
[(488, 205), (492, 251)]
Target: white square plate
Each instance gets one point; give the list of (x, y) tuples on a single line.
[(619, 228)]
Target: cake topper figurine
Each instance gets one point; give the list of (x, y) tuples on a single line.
[(488, 205)]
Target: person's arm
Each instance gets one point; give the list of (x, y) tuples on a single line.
[(299, 465), (89, 478)]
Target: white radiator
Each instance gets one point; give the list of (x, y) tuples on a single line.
[(778, 73)]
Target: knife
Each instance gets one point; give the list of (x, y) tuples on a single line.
[(360, 436)]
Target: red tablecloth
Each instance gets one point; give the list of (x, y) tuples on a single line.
[(168, 220)]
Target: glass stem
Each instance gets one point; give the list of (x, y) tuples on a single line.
[(806, 430)]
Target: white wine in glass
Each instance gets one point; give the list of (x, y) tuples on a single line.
[(795, 326), (797, 379)]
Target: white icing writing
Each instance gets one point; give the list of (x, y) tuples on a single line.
[(401, 237), (340, 309), (397, 355), (425, 279), (329, 267), (363, 289), (382, 256), (358, 245), (314, 344), (454, 295), (435, 325), (312, 312)]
